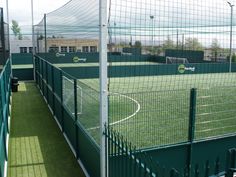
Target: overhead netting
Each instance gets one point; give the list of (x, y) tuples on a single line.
[(78, 20)]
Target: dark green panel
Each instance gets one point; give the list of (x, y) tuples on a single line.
[(23, 74), (211, 150), (69, 127), (22, 58), (170, 157), (57, 82), (82, 72), (50, 98), (90, 57), (208, 150), (58, 111), (88, 153)]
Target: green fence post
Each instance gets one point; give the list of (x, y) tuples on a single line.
[(53, 91), (47, 88), (192, 114), (207, 169), (4, 142), (76, 119), (217, 166), (230, 163), (45, 33), (62, 107)]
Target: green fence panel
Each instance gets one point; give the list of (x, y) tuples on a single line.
[(90, 57), (58, 110), (44, 71), (23, 74), (83, 72), (57, 82), (4, 113), (69, 128), (22, 58), (211, 151), (88, 152), (2, 153), (208, 150), (49, 75), (50, 99)]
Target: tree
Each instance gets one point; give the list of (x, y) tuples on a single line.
[(137, 44), (168, 44), (193, 44), (234, 57), (41, 37), (16, 29), (215, 48)]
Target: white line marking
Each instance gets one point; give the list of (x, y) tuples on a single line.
[(127, 118)]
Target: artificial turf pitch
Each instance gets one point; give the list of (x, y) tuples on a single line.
[(155, 110)]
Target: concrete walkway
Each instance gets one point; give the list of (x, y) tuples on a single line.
[(37, 147)]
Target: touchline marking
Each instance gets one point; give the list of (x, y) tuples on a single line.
[(127, 118)]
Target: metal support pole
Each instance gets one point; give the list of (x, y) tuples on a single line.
[(103, 84), (191, 133), (45, 33), (33, 41), (177, 40), (152, 18), (231, 36)]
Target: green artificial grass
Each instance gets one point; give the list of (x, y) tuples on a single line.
[(37, 147), (153, 111)]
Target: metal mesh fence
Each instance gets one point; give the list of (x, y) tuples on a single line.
[(71, 28), (157, 52), (151, 118), (188, 45)]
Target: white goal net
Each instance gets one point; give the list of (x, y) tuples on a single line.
[(176, 60)]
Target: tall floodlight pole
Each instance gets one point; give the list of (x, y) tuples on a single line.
[(103, 84), (33, 42), (152, 19), (231, 36)]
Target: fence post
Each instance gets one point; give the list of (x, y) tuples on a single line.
[(191, 133), (53, 90), (230, 163), (46, 77), (103, 31), (76, 119), (45, 33), (62, 107)]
